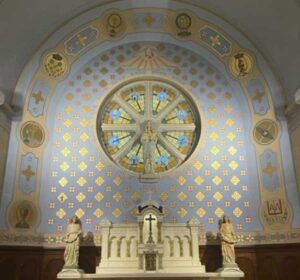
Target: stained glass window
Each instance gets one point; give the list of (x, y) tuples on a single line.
[(173, 118)]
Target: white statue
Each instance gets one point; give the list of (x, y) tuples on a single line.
[(149, 140), (228, 239), (74, 233)]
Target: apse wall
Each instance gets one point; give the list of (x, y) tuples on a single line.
[(241, 167)]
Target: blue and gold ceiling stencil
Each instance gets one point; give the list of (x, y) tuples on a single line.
[(270, 170), (148, 20), (221, 173), (38, 98), (81, 40), (223, 176), (259, 97), (215, 40), (28, 173)]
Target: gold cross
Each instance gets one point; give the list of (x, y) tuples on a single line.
[(28, 173), (215, 40), (81, 40), (258, 96), (38, 97), (269, 169)]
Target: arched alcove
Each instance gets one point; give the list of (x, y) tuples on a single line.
[(234, 166)]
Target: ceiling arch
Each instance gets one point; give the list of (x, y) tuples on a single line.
[(273, 26), (240, 146)]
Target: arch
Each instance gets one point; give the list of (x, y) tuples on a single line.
[(186, 247), (113, 247), (177, 249), (133, 247), (238, 68), (123, 247), (167, 247)]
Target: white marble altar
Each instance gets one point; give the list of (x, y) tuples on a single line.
[(152, 249), (134, 248)]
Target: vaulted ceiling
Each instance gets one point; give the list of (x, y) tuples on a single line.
[(273, 26)]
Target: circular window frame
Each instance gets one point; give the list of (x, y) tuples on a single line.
[(192, 101)]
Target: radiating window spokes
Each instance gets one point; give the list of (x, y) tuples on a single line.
[(124, 118)]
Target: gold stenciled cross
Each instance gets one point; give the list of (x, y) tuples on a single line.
[(258, 96), (28, 173), (38, 97), (81, 40), (215, 40), (269, 169)]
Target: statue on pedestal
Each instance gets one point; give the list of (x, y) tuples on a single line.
[(228, 239), (149, 140), (74, 233)]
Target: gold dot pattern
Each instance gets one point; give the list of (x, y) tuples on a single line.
[(84, 183)]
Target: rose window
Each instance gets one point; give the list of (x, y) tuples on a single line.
[(148, 127)]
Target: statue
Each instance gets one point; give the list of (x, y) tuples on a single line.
[(149, 140), (228, 239), (74, 233)]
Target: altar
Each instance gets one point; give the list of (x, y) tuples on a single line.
[(151, 249)]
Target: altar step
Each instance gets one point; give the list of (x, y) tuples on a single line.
[(222, 275)]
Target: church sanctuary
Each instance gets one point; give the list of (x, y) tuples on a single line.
[(150, 139)]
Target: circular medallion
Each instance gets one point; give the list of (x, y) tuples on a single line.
[(114, 20), (55, 65), (23, 215), (148, 127), (241, 64), (32, 134), (265, 132), (114, 24), (183, 22)]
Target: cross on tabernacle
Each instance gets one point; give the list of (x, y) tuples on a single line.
[(150, 219)]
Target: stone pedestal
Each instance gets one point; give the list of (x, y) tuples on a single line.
[(70, 273), (230, 267), (230, 271)]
